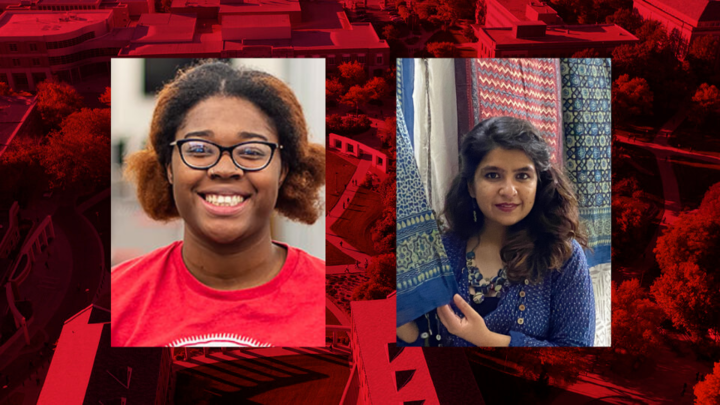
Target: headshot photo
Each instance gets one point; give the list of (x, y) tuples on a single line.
[(218, 203), (509, 244)]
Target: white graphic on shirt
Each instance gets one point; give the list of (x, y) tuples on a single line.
[(217, 340)]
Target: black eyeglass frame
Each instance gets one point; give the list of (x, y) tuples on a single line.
[(273, 146)]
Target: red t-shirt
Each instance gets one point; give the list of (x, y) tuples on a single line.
[(157, 302)]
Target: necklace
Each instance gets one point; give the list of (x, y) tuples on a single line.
[(483, 285)]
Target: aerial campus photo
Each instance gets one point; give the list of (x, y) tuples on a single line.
[(61, 188)]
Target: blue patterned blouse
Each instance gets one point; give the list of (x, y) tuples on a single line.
[(558, 311)]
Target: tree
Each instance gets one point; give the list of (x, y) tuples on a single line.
[(334, 89), (587, 53), (5, 89), (391, 32), (387, 134), (56, 100), (381, 273), (703, 54), (688, 255), (707, 391), (626, 18), (442, 49), (630, 220), (633, 59), (384, 231), (355, 96), (352, 74), (378, 88), (706, 102), (79, 157), (631, 97), (105, 97), (634, 319), (23, 176), (652, 35)]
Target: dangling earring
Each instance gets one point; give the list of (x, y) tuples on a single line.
[(474, 211)]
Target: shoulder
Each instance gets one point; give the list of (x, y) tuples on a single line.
[(576, 266), (140, 265), (305, 262)]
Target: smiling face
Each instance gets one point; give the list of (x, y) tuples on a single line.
[(504, 186), (225, 204)]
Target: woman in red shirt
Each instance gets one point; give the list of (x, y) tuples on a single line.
[(227, 147)]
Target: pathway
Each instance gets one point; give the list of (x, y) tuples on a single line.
[(336, 212)]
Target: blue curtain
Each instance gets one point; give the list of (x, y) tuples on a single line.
[(425, 280)]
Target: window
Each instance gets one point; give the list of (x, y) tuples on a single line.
[(350, 148), (331, 60), (346, 58), (16, 62), (379, 59), (33, 47), (379, 161), (338, 144), (36, 61), (361, 58), (13, 48)]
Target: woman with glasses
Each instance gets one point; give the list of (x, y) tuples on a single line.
[(227, 148)]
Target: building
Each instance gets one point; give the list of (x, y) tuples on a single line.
[(37, 45), (386, 374), (684, 20), (130, 7), (211, 28), (527, 28), (503, 13), (86, 370), (536, 39)]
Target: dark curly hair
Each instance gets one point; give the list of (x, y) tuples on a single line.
[(540, 242), (298, 197)]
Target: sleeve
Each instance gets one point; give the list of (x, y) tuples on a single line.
[(572, 309)]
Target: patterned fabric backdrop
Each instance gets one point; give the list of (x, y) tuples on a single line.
[(586, 87), (522, 88), (424, 278)]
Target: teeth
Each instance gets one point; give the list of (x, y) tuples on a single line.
[(224, 200)]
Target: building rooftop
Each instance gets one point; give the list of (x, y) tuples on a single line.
[(257, 21), (202, 43), (374, 324), (518, 8), (689, 10), (562, 34), (72, 364), (42, 23), (163, 28), (57, 2), (360, 35), (261, 7)]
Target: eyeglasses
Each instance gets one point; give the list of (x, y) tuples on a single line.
[(248, 156)]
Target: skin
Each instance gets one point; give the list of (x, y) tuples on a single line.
[(502, 177), (228, 252)]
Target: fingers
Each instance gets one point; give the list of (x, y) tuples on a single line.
[(464, 307), (448, 318)]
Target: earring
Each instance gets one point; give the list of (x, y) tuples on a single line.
[(474, 215)]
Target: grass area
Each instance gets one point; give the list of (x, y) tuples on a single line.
[(641, 164), (311, 378), (694, 179), (340, 288), (697, 139), (355, 224), (335, 256), (338, 174)]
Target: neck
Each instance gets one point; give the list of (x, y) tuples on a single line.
[(493, 233), (245, 264)]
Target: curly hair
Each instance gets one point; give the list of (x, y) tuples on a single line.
[(540, 242), (298, 197)]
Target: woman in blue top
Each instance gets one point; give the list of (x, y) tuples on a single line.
[(515, 244)]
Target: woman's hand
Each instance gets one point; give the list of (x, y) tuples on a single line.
[(409, 332), (471, 328)]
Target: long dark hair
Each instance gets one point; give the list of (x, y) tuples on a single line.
[(540, 242)]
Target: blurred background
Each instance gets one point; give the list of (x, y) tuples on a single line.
[(135, 82)]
